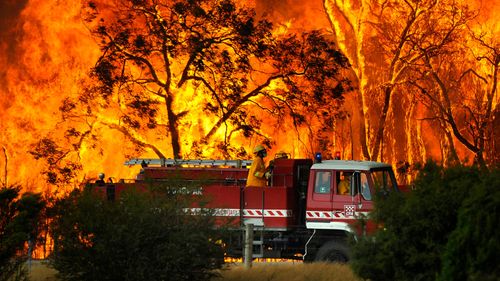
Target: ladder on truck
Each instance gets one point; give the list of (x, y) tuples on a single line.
[(162, 162), (255, 240), (258, 243)]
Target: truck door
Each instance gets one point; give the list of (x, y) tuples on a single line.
[(353, 195), (323, 188), (363, 199), (364, 193), (319, 201), (344, 199)]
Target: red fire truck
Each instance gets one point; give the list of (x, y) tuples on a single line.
[(306, 211)]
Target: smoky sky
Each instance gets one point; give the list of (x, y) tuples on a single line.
[(10, 32), (10, 11)]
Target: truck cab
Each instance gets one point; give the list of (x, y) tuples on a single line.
[(340, 192)]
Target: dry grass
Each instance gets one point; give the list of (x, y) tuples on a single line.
[(288, 272), (237, 272), (39, 271)]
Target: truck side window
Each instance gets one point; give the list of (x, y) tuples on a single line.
[(365, 187), (323, 182), (383, 181)]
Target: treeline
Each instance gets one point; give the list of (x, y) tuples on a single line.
[(445, 229)]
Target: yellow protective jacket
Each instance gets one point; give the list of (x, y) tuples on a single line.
[(344, 186), (256, 175)]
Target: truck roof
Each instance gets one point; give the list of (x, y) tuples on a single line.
[(348, 165)]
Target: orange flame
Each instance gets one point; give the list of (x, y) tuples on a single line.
[(49, 52)]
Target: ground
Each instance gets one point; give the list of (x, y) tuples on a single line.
[(288, 271)]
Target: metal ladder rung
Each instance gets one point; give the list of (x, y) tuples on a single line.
[(190, 162), (258, 244)]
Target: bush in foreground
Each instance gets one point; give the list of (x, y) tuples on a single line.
[(414, 241), (19, 221), (472, 249), (141, 236)]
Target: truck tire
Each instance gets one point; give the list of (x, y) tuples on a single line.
[(334, 251)]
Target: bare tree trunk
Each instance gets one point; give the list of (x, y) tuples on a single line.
[(6, 165), (173, 128), (351, 36), (363, 134), (381, 124), (450, 156)]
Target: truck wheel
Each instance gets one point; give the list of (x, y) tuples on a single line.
[(334, 251)]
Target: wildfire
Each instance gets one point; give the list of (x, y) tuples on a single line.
[(405, 56), (49, 50)]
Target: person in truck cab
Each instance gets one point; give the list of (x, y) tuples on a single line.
[(258, 174), (344, 185)]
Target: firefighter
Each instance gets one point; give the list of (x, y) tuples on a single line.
[(281, 155), (100, 181), (258, 174), (344, 185)]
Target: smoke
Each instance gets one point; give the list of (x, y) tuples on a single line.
[(10, 11), (10, 33)]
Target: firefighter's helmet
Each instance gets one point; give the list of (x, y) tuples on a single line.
[(258, 148), (101, 176)]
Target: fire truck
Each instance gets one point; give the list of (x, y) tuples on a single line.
[(307, 210)]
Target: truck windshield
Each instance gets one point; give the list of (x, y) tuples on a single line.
[(383, 180)]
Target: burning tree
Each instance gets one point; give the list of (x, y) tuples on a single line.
[(390, 45), (463, 92), (200, 72)]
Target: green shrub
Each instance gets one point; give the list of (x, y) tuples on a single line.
[(19, 225), (416, 226), (473, 248), (140, 236)]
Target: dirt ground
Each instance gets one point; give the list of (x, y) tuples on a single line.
[(39, 271)]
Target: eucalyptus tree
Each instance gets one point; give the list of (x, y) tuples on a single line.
[(188, 70)]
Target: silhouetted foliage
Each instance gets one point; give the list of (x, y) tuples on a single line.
[(156, 52), (472, 249), (417, 227), (19, 228), (140, 236), (59, 170)]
